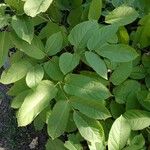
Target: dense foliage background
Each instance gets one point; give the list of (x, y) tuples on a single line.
[(82, 67)]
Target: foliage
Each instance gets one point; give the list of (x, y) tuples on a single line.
[(82, 67)]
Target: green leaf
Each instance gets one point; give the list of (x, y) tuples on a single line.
[(74, 17), (138, 140), (144, 99), (118, 52), (16, 72), (50, 29), (35, 102), (23, 27), (123, 35), (90, 129), (126, 90), (33, 7), (34, 76), (68, 61), (57, 121), (52, 69), (83, 86), (97, 64), (119, 134), (35, 49), (4, 18), (138, 72), (19, 99), (101, 36), (41, 119), (116, 109), (96, 146), (142, 34), (91, 108), (54, 44), (4, 47), (138, 119), (122, 15), (73, 143), (81, 33), (95, 10), (121, 73), (55, 145), (17, 6), (18, 87)]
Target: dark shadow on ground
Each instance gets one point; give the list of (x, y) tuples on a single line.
[(12, 137)]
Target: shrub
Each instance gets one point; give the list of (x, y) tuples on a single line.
[(82, 67)]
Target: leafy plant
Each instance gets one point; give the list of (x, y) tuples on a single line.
[(82, 67)]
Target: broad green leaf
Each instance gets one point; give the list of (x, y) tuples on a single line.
[(116, 109), (119, 134), (4, 47), (57, 121), (23, 27), (90, 129), (97, 64), (3, 6), (34, 76), (73, 143), (54, 44), (71, 127), (123, 35), (18, 87), (38, 123), (16, 5), (16, 72), (118, 52), (117, 3), (74, 17), (144, 99), (138, 140), (50, 29), (54, 13), (35, 49), (18, 100), (42, 118), (52, 69), (96, 146), (55, 145), (65, 4), (68, 61), (138, 72), (101, 36), (95, 76), (34, 7), (81, 33), (90, 108), (83, 86), (146, 60), (147, 81), (142, 34), (126, 91), (4, 18), (121, 73), (122, 15), (35, 102), (95, 10), (138, 119)]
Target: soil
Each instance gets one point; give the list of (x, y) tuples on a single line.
[(12, 137)]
